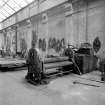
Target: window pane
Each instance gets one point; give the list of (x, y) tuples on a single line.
[(4, 12), (7, 8), (2, 15), (13, 5), (1, 3), (0, 20), (5, 0), (29, 1), (22, 3)]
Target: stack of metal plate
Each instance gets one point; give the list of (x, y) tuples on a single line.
[(10, 63)]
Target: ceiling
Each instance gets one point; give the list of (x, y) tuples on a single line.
[(9, 7)]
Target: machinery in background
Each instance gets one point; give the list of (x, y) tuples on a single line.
[(85, 58), (102, 69), (85, 48), (70, 52), (58, 65), (53, 66), (62, 64), (76, 60)]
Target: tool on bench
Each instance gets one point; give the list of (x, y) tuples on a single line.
[(76, 82)]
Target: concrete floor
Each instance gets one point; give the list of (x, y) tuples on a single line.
[(14, 90)]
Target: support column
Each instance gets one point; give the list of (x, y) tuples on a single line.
[(87, 21)]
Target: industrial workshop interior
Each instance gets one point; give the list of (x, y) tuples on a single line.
[(52, 52)]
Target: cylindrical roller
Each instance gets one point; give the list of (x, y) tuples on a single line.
[(55, 59), (58, 64)]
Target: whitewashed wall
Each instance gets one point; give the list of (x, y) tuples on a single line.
[(71, 26)]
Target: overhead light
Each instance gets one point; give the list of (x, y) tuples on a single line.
[(28, 21)]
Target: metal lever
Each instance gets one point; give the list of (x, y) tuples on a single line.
[(76, 82)]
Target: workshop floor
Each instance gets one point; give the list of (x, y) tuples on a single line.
[(14, 90)]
